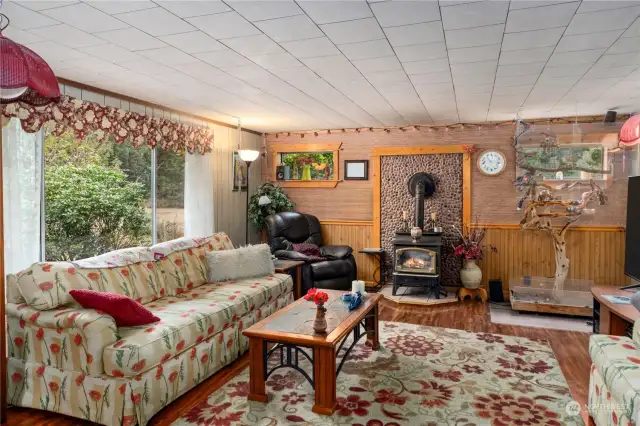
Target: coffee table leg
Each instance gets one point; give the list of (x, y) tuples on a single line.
[(371, 324), (256, 370), (324, 376)]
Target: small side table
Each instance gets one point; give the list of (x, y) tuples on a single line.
[(473, 293), (285, 267), (382, 267)]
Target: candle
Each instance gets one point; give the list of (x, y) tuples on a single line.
[(357, 286), (404, 215), (433, 216)]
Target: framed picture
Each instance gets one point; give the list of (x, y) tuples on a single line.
[(356, 169), (239, 177)]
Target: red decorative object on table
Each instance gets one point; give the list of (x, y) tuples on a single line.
[(319, 298)]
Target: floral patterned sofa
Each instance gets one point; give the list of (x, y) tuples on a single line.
[(614, 382), (75, 361)]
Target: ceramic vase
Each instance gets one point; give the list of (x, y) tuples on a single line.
[(306, 172), (320, 323), (416, 233), (470, 274)]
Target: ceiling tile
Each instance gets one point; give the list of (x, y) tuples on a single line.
[(147, 67), (478, 14), (311, 48), (423, 67), (353, 31), (96, 65), (435, 89), (540, 18), (265, 9), (122, 6), (606, 20), (366, 49), (512, 90), (430, 78), (394, 13), (532, 39), (517, 80), (131, 39), (112, 53), (625, 45), (633, 30), (156, 21), (50, 50), (520, 69), (85, 17), (335, 67), (473, 37), (406, 35), (385, 77), (526, 4), (421, 52), (566, 70), (199, 70), (224, 25), (513, 57), (588, 41), (595, 6), (609, 72), (573, 58), (387, 63), (193, 42), (168, 56), (253, 45), (291, 28), (620, 59), (191, 8), (474, 54), (276, 61), (473, 80), (23, 18), (479, 88), (24, 37), (67, 35), (45, 4), (325, 12), (223, 58), (486, 67)]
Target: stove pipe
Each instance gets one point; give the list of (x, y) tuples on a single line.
[(420, 204)]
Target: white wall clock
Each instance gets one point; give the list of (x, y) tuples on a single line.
[(491, 162)]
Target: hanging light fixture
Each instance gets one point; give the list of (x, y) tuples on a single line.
[(24, 76), (630, 131)]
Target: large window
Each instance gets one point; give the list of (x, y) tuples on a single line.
[(99, 196)]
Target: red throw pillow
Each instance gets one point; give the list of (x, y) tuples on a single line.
[(126, 311)]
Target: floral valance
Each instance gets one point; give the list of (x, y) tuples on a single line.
[(84, 117)]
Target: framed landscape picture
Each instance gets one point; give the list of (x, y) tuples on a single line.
[(239, 177)]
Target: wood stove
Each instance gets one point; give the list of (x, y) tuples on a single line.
[(418, 264)]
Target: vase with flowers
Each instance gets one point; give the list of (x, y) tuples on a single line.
[(470, 249), (319, 298)]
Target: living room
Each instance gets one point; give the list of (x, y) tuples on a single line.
[(323, 212)]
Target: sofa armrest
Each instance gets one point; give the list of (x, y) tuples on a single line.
[(69, 338), (336, 252), (635, 335), (291, 255)]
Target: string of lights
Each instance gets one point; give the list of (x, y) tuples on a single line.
[(446, 128)]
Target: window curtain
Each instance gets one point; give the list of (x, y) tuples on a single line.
[(22, 187), (198, 195)]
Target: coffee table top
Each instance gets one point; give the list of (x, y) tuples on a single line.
[(294, 323)]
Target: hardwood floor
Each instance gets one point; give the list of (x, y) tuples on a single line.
[(570, 348)]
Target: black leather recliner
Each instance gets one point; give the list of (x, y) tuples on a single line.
[(334, 273)]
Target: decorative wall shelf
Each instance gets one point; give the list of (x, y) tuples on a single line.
[(283, 151)]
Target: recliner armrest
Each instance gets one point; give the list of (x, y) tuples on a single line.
[(336, 252), (291, 255)]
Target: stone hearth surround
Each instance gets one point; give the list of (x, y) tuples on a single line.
[(446, 202)]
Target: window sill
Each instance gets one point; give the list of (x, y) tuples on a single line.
[(307, 183)]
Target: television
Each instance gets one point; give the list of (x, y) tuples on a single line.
[(632, 246)]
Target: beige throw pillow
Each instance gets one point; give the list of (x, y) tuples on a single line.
[(243, 262)]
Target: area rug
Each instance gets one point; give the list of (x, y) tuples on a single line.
[(503, 314), (421, 376)]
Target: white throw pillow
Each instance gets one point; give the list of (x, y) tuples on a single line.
[(243, 262)]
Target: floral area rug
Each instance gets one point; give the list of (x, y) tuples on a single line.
[(421, 376)]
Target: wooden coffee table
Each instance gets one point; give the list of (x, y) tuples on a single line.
[(289, 333)]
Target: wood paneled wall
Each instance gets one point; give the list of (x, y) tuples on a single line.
[(357, 235)]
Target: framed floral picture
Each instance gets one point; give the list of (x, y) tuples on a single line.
[(239, 169)]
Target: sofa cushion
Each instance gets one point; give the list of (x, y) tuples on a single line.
[(618, 362), (183, 263), (243, 262), (46, 285), (124, 310), (188, 319), (247, 294)]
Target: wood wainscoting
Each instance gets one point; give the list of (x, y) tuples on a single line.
[(357, 235), (595, 252)]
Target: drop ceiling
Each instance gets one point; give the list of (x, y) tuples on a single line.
[(296, 65)]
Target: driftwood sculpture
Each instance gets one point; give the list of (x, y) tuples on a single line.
[(548, 208)]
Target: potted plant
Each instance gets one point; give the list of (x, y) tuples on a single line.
[(319, 298), (470, 249), (268, 199)]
